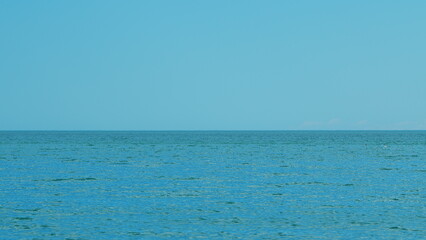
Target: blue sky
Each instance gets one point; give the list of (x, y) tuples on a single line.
[(212, 65)]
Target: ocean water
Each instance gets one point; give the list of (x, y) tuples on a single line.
[(213, 185)]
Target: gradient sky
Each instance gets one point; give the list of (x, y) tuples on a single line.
[(194, 65)]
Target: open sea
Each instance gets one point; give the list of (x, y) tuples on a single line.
[(213, 185)]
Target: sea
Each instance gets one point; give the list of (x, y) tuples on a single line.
[(73, 185)]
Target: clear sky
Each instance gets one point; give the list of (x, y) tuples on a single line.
[(212, 65)]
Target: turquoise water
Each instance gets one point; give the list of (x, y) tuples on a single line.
[(213, 185)]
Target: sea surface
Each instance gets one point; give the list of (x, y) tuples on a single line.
[(213, 185)]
